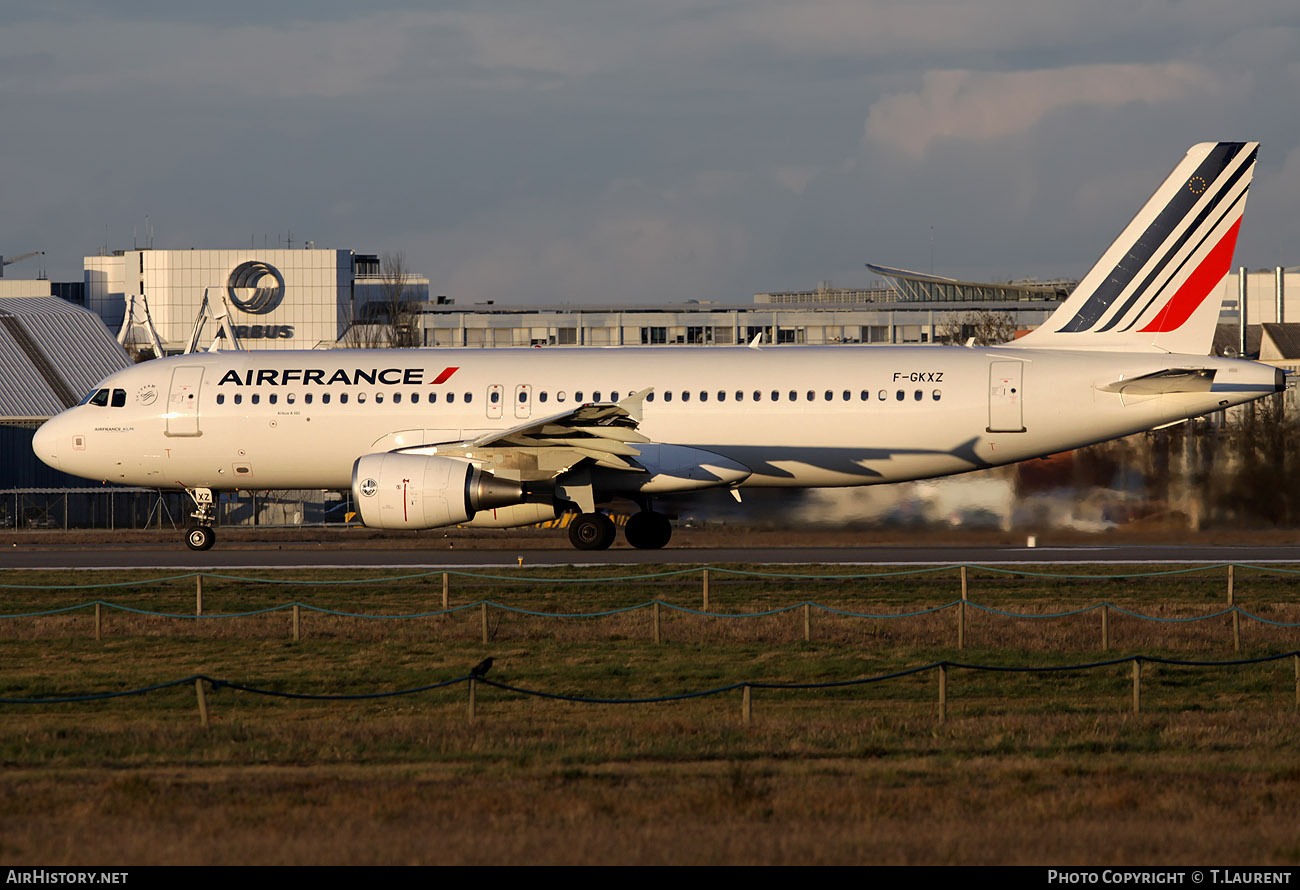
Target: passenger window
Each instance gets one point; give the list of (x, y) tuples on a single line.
[(613, 397), (541, 396), (289, 398), (495, 397), (379, 398), (119, 398), (828, 395), (847, 395), (397, 398), (255, 399), (865, 395), (686, 396), (704, 396), (577, 396), (936, 395), (221, 398), (469, 397), (740, 396), (775, 395), (722, 395), (307, 399), (668, 395), (758, 396), (559, 396), (917, 395), (325, 398), (901, 395), (239, 400), (415, 398), (595, 396), (272, 398), (343, 398), (810, 395), (523, 396), (794, 396), (883, 395)]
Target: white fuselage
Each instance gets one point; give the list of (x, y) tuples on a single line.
[(794, 416)]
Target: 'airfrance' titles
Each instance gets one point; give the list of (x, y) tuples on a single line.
[(322, 377)]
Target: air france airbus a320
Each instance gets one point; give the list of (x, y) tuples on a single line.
[(431, 438)]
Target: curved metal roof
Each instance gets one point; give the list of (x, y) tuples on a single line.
[(51, 354)]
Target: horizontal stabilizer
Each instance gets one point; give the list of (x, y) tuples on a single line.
[(1168, 380)]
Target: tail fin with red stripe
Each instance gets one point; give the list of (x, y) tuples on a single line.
[(1150, 290)]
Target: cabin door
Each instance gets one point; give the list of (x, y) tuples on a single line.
[(183, 401), (1006, 397)]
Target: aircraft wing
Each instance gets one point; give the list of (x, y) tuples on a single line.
[(604, 433)]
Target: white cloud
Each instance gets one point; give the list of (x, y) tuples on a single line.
[(981, 106)]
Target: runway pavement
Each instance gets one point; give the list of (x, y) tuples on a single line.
[(292, 554)]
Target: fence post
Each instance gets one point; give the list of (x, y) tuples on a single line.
[(297, 620), (203, 702), (1105, 627), (1137, 686), (943, 693), (961, 613), (746, 710), (472, 699), (1296, 659), (655, 611), (198, 594), (807, 623), (483, 619), (706, 590), (1236, 616), (445, 591), (99, 623)]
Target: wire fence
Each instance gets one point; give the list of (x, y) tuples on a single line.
[(960, 610), (202, 683)]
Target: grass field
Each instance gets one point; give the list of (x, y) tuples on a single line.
[(1026, 769)]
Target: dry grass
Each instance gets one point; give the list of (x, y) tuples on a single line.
[(1027, 769)]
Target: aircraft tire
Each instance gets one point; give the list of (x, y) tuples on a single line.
[(648, 530), (200, 537), (592, 531)]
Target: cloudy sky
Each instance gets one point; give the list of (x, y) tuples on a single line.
[(565, 151)]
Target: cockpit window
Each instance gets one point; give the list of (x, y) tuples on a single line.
[(99, 398), (119, 398)]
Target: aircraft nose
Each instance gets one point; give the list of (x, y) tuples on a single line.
[(45, 443)]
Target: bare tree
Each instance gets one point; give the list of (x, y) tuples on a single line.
[(391, 320), (987, 327)]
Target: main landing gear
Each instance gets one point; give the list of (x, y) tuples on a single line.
[(592, 531), (200, 535), (646, 530)]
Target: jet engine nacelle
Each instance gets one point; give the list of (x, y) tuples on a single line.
[(415, 491), (513, 516)]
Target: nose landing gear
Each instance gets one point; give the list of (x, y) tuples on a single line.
[(200, 535)]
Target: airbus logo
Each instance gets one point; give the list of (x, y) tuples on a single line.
[(255, 287)]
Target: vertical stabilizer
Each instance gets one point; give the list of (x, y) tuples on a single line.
[(1149, 291)]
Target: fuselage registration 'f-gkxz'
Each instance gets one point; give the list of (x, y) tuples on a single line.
[(430, 438)]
